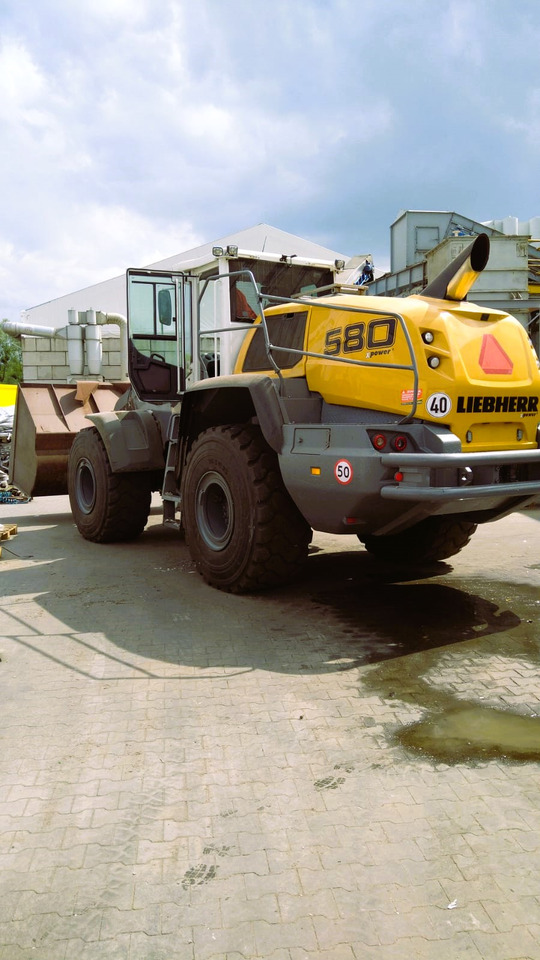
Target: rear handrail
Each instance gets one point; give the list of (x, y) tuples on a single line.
[(271, 348), (359, 363)]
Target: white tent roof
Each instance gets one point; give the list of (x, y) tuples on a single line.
[(110, 295)]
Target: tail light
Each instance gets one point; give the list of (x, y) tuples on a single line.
[(389, 439), (400, 443)]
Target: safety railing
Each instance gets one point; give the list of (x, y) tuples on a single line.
[(264, 300)]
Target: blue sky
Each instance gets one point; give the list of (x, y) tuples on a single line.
[(132, 130)]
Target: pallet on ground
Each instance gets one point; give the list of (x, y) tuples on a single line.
[(7, 530)]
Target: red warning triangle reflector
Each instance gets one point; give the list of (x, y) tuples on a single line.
[(493, 358)]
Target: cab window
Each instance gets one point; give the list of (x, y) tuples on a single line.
[(156, 363), (284, 330)]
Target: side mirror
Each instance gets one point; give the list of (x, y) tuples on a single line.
[(165, 312)]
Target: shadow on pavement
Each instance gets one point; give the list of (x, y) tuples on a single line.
[(142, 604)]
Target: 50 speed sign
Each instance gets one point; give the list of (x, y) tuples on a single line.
[(343, 471)]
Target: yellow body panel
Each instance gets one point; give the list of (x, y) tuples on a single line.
[(8, 394), (485, 388)]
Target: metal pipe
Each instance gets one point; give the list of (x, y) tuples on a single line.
[(94, 352), (17, 329), (74, 334), (119, 320), (75, 346)]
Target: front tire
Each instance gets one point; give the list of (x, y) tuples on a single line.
[(106, 506), (429, 541), (243, 530)]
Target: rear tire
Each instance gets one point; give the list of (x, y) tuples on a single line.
[(106, 506), (436, 538), (243, 530)]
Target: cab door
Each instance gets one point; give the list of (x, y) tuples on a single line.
[(158, 348)]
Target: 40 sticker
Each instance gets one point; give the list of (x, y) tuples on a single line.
[(439, 405), (343, 471)]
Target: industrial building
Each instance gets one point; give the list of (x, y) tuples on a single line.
[(423, 242)]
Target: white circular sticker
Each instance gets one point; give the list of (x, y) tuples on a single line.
[(343, 471), (439, 405)]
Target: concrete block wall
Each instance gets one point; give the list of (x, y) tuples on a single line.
[(46, 360)]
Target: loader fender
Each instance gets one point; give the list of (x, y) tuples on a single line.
[(237, 398), (132, 440)]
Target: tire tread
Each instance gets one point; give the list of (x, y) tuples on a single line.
[(282, 535), (124, 501), (429, 541)]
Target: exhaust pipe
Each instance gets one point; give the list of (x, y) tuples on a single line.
[(455, 281)]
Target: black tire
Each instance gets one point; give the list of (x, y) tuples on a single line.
[(243, 531), (106, 506), (431, 540)]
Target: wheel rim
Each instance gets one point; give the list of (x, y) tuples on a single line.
[(215, 511), (85, 486)]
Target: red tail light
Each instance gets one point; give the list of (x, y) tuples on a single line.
[(400, 443)]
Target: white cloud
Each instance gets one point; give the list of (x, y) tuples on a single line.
[(463, 33), (524, 121), (98, 243), (135, 11), (20, 79)]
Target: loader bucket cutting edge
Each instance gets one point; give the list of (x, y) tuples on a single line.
[(47, 418)]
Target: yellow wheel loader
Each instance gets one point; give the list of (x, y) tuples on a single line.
[(259, 417)]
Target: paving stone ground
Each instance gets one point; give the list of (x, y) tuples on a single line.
[(186, 774)]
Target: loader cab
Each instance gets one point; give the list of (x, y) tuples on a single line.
[(283, 277), (160, 343), (187, 326), (234, 289)]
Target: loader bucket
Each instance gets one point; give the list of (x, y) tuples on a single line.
[(47, 417)]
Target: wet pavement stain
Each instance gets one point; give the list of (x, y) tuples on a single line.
[(475, 733), (388, 620), (439, 651)]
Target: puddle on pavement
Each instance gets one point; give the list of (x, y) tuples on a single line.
[(475, 733), (407, 634)]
